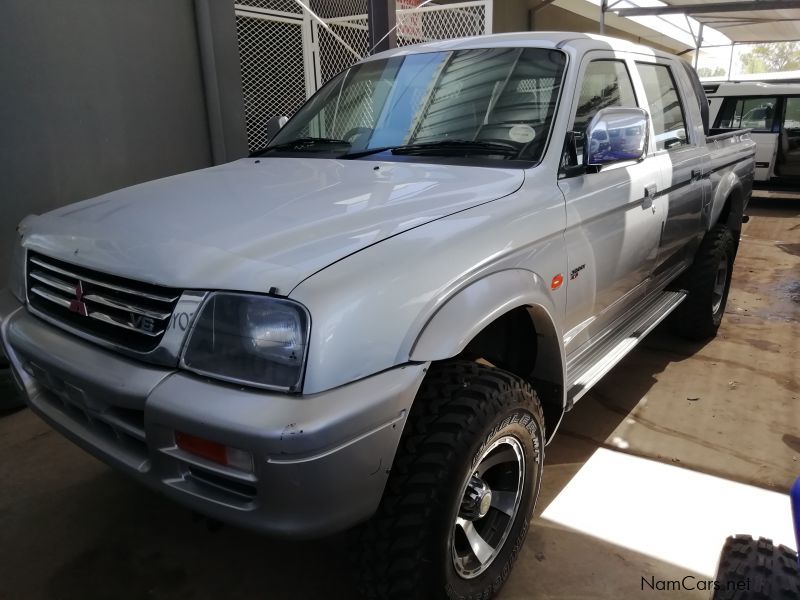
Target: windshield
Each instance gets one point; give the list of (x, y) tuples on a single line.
[(494, 103)]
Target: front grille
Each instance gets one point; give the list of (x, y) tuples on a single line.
[(127, 313)]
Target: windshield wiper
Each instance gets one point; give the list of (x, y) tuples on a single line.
[(458, 147), (303, 143), (368, 152), (444, 147)]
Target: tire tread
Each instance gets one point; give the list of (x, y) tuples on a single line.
[(455, 400), (771, 570)]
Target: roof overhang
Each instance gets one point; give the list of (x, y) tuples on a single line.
[(739, 20), (591, 10)]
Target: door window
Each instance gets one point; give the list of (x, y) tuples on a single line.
[(747, 113), (606, 83), (789, 154), (791, 117), (664, 105)]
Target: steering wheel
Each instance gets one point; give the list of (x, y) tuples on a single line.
[(356, 131)]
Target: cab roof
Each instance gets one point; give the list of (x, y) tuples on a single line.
[(581, 42)]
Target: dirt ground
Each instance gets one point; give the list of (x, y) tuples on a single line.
[(678, 446)]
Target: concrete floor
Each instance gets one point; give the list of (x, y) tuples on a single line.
[(72, 528)]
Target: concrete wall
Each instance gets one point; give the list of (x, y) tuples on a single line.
[(101, 94), (510, 15)]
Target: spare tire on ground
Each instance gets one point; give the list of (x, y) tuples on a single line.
[(752, 569)]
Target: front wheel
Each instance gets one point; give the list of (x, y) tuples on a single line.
[(462, 489)]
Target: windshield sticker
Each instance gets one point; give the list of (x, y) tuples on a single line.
[(522, 133)]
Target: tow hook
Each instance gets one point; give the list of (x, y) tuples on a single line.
[(745, 218)]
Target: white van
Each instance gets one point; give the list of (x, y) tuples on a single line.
[(772, 111)]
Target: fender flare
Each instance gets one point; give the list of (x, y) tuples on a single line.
[(728, 187), (472, 308)]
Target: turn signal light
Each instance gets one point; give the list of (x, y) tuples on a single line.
[(215, 452)]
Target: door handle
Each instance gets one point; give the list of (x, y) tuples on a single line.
[(696, 174), (649, 194)]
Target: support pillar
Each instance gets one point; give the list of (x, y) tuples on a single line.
[(382, 25)]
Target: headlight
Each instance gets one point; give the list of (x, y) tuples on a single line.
[(16, 279), (249, 339)]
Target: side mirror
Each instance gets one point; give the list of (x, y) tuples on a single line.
[(274, 125), (616, 135)]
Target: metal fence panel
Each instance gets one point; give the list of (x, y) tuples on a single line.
[(273, 71), (433, 22), (287, 6), (286, 55)]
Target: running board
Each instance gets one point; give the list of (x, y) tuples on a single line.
[(586, 369)]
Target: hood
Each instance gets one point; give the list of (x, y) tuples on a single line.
[(258, 223)]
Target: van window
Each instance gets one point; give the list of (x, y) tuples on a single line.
[(664, 105), (791, 117), (747, 113), (606, 83)]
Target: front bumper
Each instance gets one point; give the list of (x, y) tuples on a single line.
[(320, 461)]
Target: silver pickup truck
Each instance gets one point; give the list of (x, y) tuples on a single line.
[(381, 318)]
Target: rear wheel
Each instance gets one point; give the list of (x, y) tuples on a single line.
[(462, 489), (707, 282)]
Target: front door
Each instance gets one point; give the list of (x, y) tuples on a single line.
[(612, 222)]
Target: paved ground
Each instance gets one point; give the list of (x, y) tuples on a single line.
[(676, 413)]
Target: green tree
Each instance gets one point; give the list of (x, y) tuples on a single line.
[(709, 72), (772, 58)]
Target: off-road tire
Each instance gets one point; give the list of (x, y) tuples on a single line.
[(695, 318), (461, 408), (765, 571)]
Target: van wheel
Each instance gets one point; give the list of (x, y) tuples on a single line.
[(756, 570), (461, 491), (708, 282)]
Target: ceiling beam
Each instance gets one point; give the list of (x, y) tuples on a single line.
[(706, 8)]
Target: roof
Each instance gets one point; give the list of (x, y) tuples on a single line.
[(541, 39)]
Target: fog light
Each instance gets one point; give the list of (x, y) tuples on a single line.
[(215, 452)]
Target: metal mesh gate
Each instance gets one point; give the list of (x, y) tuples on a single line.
[(273, 73), (432, 22), (286, 55)]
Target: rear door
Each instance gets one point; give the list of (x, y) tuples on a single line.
[(683, 159), (612, 225), (759, 114), (788, 162)]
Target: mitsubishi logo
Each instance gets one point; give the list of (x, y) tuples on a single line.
[(78, 305)]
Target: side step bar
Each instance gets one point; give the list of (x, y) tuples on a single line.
[(589, 366)]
